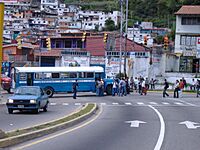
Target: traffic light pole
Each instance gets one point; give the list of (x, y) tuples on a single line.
[(121, 22), (1, 35)]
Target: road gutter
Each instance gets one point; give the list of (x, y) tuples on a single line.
[(162, 129)]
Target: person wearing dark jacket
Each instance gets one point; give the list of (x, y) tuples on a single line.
[(166, 86), (74, 89)]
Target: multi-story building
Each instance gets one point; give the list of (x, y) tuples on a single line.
[(187, 38)]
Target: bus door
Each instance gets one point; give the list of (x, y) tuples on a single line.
[(30, 77)]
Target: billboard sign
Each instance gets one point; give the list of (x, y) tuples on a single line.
[(198, 47)]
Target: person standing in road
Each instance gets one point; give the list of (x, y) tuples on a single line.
[(198, 87), (74, 88), (166, 86), (176, 90)]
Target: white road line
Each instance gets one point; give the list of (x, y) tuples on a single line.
[(65, 104), (165, 103), (162, 129), (153, 103), (103, 103), (52, 103), (182, 101), (128, 104), (177, 103), (140, 103), (77, 104), (115, 103)]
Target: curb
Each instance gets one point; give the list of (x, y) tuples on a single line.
[(39, 133)]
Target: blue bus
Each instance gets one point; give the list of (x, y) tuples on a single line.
[(60, 79)]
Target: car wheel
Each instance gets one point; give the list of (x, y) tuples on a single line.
[(49, 91), (10, 111)]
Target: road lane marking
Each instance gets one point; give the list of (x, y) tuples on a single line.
[(103, 103), (53, 104), (140, 103), (128, 104), (77, 104), (59, 134), (115, 103), (162, 129), (165, 103), (153, 103), (178, 103), (65, 104)]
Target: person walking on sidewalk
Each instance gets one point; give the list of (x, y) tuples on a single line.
[(166, 86)]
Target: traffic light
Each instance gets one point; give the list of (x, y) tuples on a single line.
[(145, 40), (84, 36), (105, 37), (19, 42), (166, 42), (48, 43)]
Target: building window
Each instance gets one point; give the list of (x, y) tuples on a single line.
[(68, 44), (190, 21), (188, 40), (58, 44), (186, 64), (79, 44)]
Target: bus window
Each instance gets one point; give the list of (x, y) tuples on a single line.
[(47, 75), (81, 75), (64, 75), (89, 75), (55, 75), (73, 75), (22, 76), (38, 75)]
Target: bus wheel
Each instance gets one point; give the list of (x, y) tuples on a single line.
[(109, 89), (49, 91)]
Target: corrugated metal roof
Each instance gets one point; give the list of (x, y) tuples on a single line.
[(189, 10)]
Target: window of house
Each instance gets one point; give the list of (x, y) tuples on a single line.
[(79, 44), (188, 40), (186, 64), (68, 44), (190, 21), (58, 44)]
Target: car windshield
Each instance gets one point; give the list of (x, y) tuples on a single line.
[(27, 91)]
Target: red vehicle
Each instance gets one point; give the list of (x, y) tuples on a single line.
[(6, 82)]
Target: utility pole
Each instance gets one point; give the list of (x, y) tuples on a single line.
[(126, 34), (1, 35), (121, 24)]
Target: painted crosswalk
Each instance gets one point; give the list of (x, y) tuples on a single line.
[(161, 103)]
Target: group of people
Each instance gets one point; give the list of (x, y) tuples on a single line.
[(121, 87)]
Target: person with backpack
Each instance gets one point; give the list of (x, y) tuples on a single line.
[(166, 86)]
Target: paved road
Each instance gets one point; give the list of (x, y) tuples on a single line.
[(58, 107), (163, 124)]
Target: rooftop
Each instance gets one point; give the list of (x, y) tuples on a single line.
[(189, 10)]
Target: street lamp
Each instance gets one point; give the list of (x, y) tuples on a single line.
[(121, 24)]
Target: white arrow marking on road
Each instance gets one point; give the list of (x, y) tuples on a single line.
[(135, 123), (190, 124)]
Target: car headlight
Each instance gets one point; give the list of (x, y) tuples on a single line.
[(32, 101), (10, 101)]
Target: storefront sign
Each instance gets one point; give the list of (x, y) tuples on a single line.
[(189, 53)]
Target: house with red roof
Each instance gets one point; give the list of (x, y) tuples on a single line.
[(187, 40)]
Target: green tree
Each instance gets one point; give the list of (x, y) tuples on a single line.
[(110, 25)]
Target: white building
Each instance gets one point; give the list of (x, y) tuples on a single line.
[(187, 35), (91, 19)]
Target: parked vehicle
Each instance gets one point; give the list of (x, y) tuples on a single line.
[(28, 98), (6, 82)]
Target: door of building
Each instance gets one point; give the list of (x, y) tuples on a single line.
[(195, 66)]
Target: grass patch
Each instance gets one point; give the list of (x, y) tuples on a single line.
[(82, 112)]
